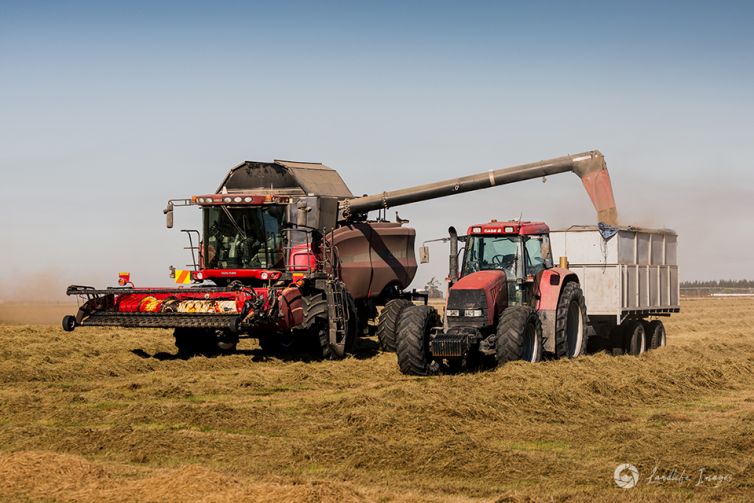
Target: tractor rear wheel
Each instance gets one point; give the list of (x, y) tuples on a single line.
[(412, 347), (519, 336), (635, 337), (570, 322), (655, 333), (388, 323)]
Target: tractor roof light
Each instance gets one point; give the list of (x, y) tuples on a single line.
[(509, 228), (476, 230)]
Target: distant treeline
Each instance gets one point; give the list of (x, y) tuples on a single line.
[(719, 283), (720, 286)]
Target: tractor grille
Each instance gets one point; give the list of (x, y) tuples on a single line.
[(450, 345), (159, 320)]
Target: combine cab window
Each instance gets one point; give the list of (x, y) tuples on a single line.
[(493, 252), (244, 237)]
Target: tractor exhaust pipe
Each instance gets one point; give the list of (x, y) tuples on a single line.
[(453, 261)]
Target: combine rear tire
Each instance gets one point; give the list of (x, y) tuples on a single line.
[(655, 333), (412, 348), (388, 323), (570, 322), (635, 337), (519, 336)]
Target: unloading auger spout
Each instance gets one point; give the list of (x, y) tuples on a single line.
[(589, 166)]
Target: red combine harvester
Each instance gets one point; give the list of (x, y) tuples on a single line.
[(287, 254)]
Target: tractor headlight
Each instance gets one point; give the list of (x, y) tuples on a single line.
[(472, 313), (453, 312)]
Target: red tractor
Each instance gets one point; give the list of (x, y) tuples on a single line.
[(509, 302)]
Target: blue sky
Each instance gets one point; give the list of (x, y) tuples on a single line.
[(107, 110)]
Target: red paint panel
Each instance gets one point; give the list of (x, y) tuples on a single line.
[(492, 283), (240, 273), (550, 294), (520, 228)]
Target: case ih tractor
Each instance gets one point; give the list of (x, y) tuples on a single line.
[(287, 255), (508, 303)]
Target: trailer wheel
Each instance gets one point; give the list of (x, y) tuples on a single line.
[(519, 336), (388, 323), (570, 322), (412, 347), (655, 331), (635, 337)]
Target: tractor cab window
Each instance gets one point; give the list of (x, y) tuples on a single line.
[(248, 237), (537, 251), (492, 252)]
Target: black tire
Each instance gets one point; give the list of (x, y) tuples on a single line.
[(570, 322), (635, 337), (412, 345), (336, 351), (519, 336), (315, 321), (387, 325), (69, 323), (656, 334)]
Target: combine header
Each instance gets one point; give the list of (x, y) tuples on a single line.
[(288, 255)]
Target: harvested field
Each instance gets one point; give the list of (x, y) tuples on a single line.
[(113, 415)]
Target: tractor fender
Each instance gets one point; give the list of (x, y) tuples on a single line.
[(550, 285)]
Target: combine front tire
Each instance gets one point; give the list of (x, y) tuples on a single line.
[(412, 347), (388, 323), (570, 322), (519, 336)]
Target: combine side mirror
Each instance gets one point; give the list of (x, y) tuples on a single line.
[(169, 215), (424, 254)]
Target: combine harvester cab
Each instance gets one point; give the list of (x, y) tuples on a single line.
[(272, 262)]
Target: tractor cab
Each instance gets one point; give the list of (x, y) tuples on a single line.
[(521, 250)]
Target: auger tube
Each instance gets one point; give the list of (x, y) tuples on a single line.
[(589, 166)]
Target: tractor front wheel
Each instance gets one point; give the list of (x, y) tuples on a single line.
[(412, 347), (519, 336)]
